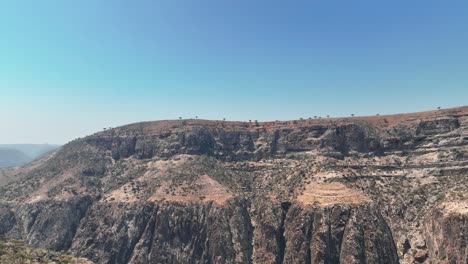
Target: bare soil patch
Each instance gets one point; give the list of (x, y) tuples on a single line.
[(326, 194)]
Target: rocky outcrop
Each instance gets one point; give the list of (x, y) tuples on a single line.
[(51, 224), (209, 233), (110, 231), (447, 234), (338, 234), (438, 126), (165, 233), (239, 143), (7, 220), (239, 232)]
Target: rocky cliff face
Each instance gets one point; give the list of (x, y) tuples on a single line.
[(384, 189), (446, 233)]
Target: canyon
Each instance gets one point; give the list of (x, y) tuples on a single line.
[(375, 189)]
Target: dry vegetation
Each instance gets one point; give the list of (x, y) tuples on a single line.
[(15, 252)]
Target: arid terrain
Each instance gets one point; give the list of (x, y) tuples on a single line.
[(378, 189), (13, 252)]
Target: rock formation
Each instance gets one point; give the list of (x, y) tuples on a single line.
[(382, 189)]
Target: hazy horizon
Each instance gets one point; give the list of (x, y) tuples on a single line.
[(13, 145), (5, 145), (70, 69)]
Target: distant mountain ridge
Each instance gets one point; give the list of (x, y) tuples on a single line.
[(18, 154), (12, 157)]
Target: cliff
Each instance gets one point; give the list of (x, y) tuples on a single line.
[(380, 189)]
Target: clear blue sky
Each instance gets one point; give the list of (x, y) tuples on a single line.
[(70, 68)]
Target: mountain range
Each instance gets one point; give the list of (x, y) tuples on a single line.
[(375, 189), (17, 154)]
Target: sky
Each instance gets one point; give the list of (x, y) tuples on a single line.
[(70, 68)]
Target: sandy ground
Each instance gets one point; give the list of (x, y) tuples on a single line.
[(326, 194)]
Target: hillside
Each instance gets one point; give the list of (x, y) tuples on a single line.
[(378, 189)]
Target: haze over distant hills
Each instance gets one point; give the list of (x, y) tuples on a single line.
[(18, 154)]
